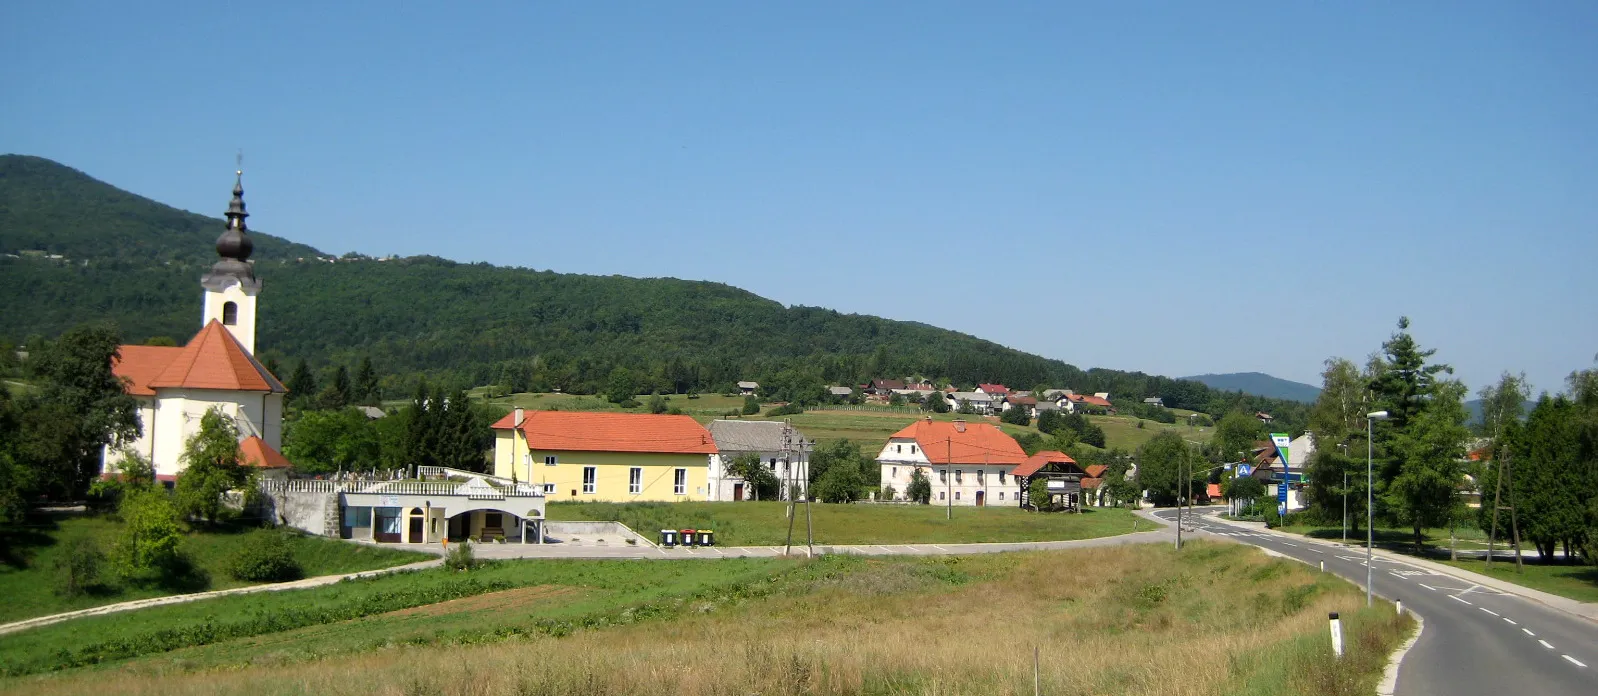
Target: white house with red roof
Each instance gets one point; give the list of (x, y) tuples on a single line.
[(216, 369), (967, 463), (609, 457)]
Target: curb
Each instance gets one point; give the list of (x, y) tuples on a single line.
[(1580, 610), (1389, 683)]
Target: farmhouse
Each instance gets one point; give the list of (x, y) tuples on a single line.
[(1063, 476), (174, 387), (612, 457), (967, 463), (748, 388), (777, 445)]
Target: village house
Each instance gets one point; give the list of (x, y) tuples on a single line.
[(1084, 403), (841, 392), (1069, 484), (1154, 401), (883, 387), (748, 388), (983, 404), (967, 463), (1268, 467), (1020, 401), (993, 389), (175, 387), (777, 445), (609, 457)]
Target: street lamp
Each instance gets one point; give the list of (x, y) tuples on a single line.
[(1370, 498), (1344, 466)]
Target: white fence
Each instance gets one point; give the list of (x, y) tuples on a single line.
[(475, 489)]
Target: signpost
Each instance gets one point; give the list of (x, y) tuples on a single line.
[(1282, 442)]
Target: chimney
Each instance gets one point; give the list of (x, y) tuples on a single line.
[(929, 419), (516, 421), (959, 425)]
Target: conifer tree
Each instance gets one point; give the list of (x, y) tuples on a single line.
[(302, 384), (365, 391)]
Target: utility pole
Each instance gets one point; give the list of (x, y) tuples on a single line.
[(787, 446), (810, 529), (948, 477)]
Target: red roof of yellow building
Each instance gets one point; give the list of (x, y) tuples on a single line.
[(612, 432), (963, 443), (214, 359), (254, 451)]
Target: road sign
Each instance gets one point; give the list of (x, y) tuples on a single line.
[(1281, 440), (1244, 470)]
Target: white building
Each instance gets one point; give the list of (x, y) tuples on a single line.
[(175, 387), (781, 450), (966, 463)]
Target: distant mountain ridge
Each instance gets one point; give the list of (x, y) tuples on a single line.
[(1260, 384)]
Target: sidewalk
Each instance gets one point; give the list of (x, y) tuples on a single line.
[(1565, 604), (196, 596)]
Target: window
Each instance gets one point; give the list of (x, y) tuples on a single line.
[(590, 474), (357, 517), (940, 495), (1001, 478), (549, 489), (895, 473), (230, 313), (981, 475), (1001, 495), (898, 449), (943, 476), (957, 495), (635, 480), (912, 449), (679, 484), (549, 460), (957, 477)]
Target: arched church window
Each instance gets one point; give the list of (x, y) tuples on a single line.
[(230, 313)]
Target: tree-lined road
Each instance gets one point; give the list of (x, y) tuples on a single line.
[(1476, 640)]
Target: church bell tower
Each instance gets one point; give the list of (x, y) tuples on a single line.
[(231, 286)]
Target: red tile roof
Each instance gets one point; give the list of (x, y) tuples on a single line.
[(140, 365), (255, 452), (1089, 399), (214, 359), (1095, 470), (981, 443), (993, 389), (1022, 400), (1091, 483), (1213, 490), (581, 431), (1040, 460)]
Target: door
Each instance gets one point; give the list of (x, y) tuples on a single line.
[(982, 498), (416, 526), (737, 492)]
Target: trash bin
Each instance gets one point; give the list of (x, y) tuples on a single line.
[(707, 537), (668, 538), (688, 537)]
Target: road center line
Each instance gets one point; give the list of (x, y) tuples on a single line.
[(1429, 587), (1529, 633), (1573, 661), (1511, 621), (1461, 601), (940, 548), (1494, 613), (1545, 644)]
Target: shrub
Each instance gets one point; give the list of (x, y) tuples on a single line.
[(786, 410), (150, 533), (887, 493), (460, 557), (263, 556), (751, 406), (920, 488), (1016, 415), (78, 566)]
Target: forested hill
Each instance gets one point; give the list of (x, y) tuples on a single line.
[(476, 323), (1262, 384), (49, 207)]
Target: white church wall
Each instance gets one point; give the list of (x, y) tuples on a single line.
[(243, 326)]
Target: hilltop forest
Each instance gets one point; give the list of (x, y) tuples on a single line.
[(136, 262)]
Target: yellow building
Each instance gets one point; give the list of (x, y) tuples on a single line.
[(610, 457)]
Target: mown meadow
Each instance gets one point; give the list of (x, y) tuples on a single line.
[(1141, 619)]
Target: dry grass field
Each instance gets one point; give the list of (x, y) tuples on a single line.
[(1143, 620)]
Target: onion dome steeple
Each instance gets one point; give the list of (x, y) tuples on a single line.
[(234, 246)]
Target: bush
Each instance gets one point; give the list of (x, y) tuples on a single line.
[(460, 557), (657, 404), (920, 488), (785, 410), (628, 403), (263, 556), (150, 533), (751, 406), (1016, 415), (887, 493), (78, 566)]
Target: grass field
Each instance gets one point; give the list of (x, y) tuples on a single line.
[(1136, 620), (766, 524), (1578, 582), (28, 582), (1122, 431)]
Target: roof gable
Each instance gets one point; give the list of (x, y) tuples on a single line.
[(214, 359), (583, 431), (1037, 462), (751, 436), (253, 451), (140, 365), (980, 443)]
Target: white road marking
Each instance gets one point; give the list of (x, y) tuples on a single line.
[(1545, 644), (1396, 575), (1461, 601), (1429, 587), (940, 548), (1317, 551), (1511, 621), (1289, 543), (1494, 613), (1573, 661), (885, 549), (1529, 633)]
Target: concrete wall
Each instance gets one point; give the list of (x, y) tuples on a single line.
[(315, 513), (560, 531)]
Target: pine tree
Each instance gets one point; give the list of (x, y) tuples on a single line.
[(302, 384), (365, 391), (1429, 452), (338, 392)]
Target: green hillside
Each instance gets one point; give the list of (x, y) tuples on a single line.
[(475, 323), (1261, 384)]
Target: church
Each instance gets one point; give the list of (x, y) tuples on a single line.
[(176, 386)]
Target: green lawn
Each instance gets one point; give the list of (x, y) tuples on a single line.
[(28, 581), (766, 524), (832, 625), (1578, 582), (1122, 431)]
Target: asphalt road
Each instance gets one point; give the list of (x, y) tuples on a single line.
[(1476, 640)]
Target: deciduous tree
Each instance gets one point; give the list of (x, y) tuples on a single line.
[(210, 467)]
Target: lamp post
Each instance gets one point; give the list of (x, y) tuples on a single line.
[(1370, 498), (1344, 446)]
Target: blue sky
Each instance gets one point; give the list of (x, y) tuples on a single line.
[(1168, 187)]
